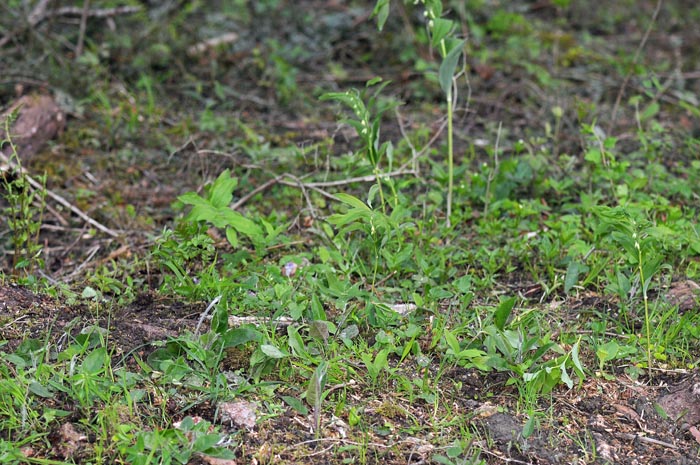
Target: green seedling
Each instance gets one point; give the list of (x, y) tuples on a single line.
[(26, 201), (640, 247), (442, 33), (216, 210), (314, 393), (367, 126)]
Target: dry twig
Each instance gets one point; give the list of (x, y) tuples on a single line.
[(78, 212)]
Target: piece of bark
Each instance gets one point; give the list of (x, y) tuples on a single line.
[(685, 294), (39, 120)]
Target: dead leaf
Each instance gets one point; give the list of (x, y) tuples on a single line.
[(239, 413), (696, 434)]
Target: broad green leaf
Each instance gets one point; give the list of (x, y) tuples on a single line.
[(318, 329), (529, 427), (219, 321), (381, 11), (204, 442), (191, 198), (452, 342), (578, 367), (607, 351), (500, 316), (565, 376), (572, 273), (441, 28), (221, 192), (349, 217), (296, 405), (272, 351), (471, 353), (594, 156), (40, 390), (232, 237), (242, 224), (295, 342), (447, 68), (651, 110), (94, 362), (316, 385), (349, 332), (239, 336)]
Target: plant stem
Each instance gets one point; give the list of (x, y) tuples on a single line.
[(450, 146), (450, 159), (377, 174), (647, 322)]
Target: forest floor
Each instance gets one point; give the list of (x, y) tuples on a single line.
[(562, 107)]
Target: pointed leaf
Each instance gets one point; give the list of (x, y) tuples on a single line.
[(352, 201), (572, 272), (448, 66), (500, 316), (441, 28), (221, 192), (381, 11), (272, 351)]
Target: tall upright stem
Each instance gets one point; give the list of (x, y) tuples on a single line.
[(450, 160)]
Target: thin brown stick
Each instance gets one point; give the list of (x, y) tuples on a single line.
[(639, 437), (41, 13), (83, 26), (78, 212), (96, 13), (252, 193), (368, 178)]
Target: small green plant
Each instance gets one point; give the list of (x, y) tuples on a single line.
[(315, 394), (383, 235), (442, 31), (172, 445), (26, 202), (215, 209), (367, 125), (640, 248)]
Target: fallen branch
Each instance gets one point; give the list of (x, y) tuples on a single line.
[(78, 212), (41, 13)]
